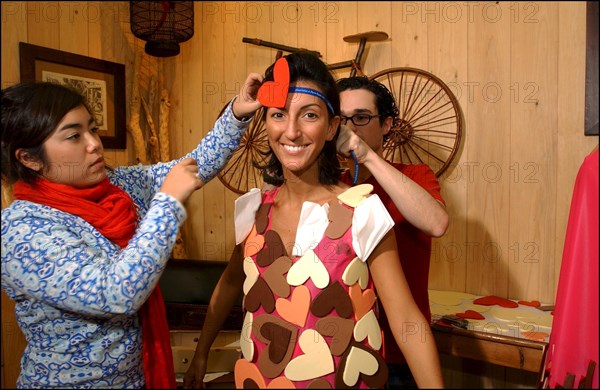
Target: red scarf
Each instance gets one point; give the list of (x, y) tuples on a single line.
[(112, 212)]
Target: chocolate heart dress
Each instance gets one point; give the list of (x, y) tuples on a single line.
[(311, 315)]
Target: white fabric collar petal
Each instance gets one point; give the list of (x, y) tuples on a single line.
[(311, 227), (370, 222), (246, 207)]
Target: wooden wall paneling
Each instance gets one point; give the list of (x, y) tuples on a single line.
[(213, 76), (447, 53), (122, 47), (194, 127), (90, 46), (486, 167), (573, 146), (43, 23), (178, 91), (533, 148), (342, 20), (375, 16), (14, 30), (312, 26), (235, 67), (258, 58), (73, 27), (408, 35), (284, 23)]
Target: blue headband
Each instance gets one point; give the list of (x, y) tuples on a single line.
[(313, 92)]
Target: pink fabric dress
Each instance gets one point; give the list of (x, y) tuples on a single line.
[(311, 320), (574, 337)]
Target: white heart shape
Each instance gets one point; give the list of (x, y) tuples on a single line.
[(251, 274), (368, 327), (359, 361), (316, 361), (246, 343), (357, 270), (308, 266)]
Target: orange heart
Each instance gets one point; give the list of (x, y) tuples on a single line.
[(295, 310), (281, 383), (274, 93), (362, 301), (254, 243), (245, 371)]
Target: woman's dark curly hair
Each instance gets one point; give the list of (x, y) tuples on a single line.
[(384, 100), (307, 67), (30, 113)]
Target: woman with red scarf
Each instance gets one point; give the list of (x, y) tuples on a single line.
[(83, 245)]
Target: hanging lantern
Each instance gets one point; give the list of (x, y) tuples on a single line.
[(162, 24)]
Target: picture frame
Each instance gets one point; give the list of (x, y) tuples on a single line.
[(101, 82)]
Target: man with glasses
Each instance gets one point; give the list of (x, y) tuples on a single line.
[(411, 194)]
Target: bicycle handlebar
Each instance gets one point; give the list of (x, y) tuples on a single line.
[(289, 49)]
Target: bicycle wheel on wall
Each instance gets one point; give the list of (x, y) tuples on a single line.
[(239, 174), (429, 126)]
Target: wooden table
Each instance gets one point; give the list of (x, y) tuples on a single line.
[(492, 348)]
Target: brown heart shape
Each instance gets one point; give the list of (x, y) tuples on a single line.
[(280, 338), (340, 220), (260, 295), (275, 279), (250, 384), (262, 217), (339, 329), (375, 381), (273, 249), (319, 384), (332, 297)]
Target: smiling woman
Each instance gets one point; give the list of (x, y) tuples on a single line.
[(314, 257)]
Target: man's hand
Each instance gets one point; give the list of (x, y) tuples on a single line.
[(348, 140)]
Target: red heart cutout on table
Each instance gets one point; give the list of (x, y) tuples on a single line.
[(471, 315), (530, 303), (494, 300), (274, 93)]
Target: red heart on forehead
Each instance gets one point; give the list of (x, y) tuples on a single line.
[(274, 93)]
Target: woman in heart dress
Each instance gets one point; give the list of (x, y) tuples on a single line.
[(314, 258)]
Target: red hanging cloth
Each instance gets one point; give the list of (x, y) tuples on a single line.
[(573, 342)]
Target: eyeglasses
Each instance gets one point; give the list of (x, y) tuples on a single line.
[(358, 119)]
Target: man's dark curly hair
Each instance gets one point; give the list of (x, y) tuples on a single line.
[(386, 104)]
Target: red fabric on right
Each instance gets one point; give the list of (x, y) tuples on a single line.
[(574, 336)]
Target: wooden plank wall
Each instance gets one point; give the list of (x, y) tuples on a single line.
[(517, 68)]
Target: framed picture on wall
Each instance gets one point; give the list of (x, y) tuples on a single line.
[(101, 82)]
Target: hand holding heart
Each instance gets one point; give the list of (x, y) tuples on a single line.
[(247, 102)]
